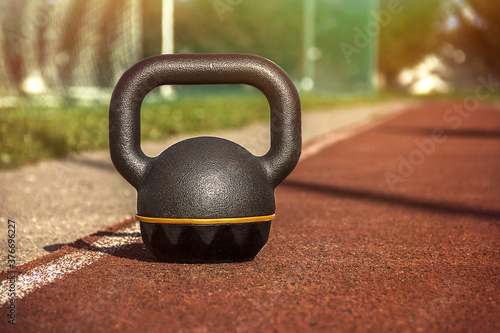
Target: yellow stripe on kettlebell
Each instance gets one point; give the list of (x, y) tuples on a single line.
[(205, 221)]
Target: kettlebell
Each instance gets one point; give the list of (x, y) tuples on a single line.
[(205, 199)]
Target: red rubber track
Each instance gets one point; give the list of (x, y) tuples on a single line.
[(346, 252)]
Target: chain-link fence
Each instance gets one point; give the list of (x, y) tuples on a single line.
[(56, 49), (71, 49)]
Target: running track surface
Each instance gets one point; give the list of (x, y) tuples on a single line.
[(363, 241)]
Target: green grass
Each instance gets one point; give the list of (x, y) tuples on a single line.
[(30, 134)]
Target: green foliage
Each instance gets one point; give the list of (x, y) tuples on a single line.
[(28, 135), (268, 28), (410, 35), (477, 36), (427, 27), (275, 30), (188, 115)]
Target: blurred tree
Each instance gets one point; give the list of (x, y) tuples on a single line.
[(463, 33), (11, 26), (474, 33), (413, 32), (260, 26), (274, 30)]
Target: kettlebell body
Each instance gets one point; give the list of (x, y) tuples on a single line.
[(205, 199)]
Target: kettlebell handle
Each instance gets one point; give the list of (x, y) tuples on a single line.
[(140, 79)]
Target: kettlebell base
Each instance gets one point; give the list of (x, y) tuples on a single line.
[(211, 243)]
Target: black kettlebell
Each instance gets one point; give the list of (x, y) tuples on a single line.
[(205, 199)]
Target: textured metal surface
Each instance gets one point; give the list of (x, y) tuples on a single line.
[(205, 177), (252, 70), (205, 243)]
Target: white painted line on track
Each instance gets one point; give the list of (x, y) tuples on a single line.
[(330, 139), (58, 268)]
